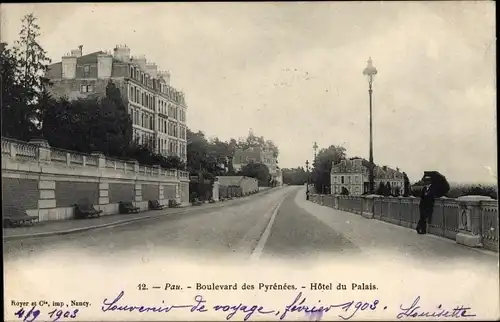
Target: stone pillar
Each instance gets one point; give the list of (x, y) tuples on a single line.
[(101, 159), (103, 196), (470, 220), (161, 196), (138, 192), (47, 198), (368, 205), (178, 193), (215, 191), (158, 167), (43, 149)]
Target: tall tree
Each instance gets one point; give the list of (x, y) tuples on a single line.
[(323, 166), (258, 171), (33, 64), (296, 176), (407, 185), (16, 114), (388, 190), (91, 124)]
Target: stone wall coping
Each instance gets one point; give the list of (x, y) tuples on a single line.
[(472, 199), (25, 156)]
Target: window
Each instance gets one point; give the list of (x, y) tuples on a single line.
[(86, 71), (90, 88), (83, 88), (342, 179)]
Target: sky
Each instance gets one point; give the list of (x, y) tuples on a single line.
[(292, 72)]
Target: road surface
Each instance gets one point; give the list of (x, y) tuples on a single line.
[(276, 225)]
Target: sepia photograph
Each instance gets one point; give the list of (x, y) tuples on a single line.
[(249, 161)]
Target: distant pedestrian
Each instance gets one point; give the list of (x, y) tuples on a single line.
[(426, 205), (435, 186)]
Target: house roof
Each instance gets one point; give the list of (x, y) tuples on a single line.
[(88, 59), (379, 171), (241, 156)]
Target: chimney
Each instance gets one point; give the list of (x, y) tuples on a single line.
[(152, 70), (104, 65), (69, 66), (76, 52), (141, 61), (165, 75), (122, 52)]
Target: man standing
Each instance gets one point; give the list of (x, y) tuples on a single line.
[(426, 205), (435, 186)]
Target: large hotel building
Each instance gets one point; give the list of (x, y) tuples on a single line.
[(157, 110)]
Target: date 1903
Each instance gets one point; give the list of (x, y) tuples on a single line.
[(33, 313)]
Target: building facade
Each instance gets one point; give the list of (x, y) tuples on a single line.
[(158, 111), (256, 154), (353, 176)]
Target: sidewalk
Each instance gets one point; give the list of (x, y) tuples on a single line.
[(376, 237), (62, 227)]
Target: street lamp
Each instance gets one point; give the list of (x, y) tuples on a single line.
[(315, 147), (307, 184), (370, 73)]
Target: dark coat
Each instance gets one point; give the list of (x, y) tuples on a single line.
[(427, 199)]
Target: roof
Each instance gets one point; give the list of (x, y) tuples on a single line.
[(55, 70), (241, 156), (88, 59), (379, 171)]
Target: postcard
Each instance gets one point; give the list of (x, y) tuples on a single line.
[(249, 161)]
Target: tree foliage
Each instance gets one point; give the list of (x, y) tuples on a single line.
[(323, 166), (33, 59), (295, 176), (89, 125), (214, 156), (23, 84), (16, 114), (258, 171), (407, 185)]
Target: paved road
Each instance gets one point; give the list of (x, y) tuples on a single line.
[(233, 229), (320, 244), (297, 229)]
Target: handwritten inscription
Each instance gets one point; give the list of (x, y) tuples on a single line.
[(414, 311), (33, 313), (347, 309), (59, 311)]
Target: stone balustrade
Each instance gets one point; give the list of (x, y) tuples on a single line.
[(47, 182), (469, 220), (40, 151)]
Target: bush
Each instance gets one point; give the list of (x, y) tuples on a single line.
[(464, 190)]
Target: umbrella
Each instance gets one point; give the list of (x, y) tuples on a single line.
[(439, 182)]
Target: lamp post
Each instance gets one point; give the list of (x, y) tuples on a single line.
[(307, 184), (370, 73), (315, 147)]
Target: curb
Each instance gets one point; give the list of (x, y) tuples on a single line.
[(125, 221), (82, 229)]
